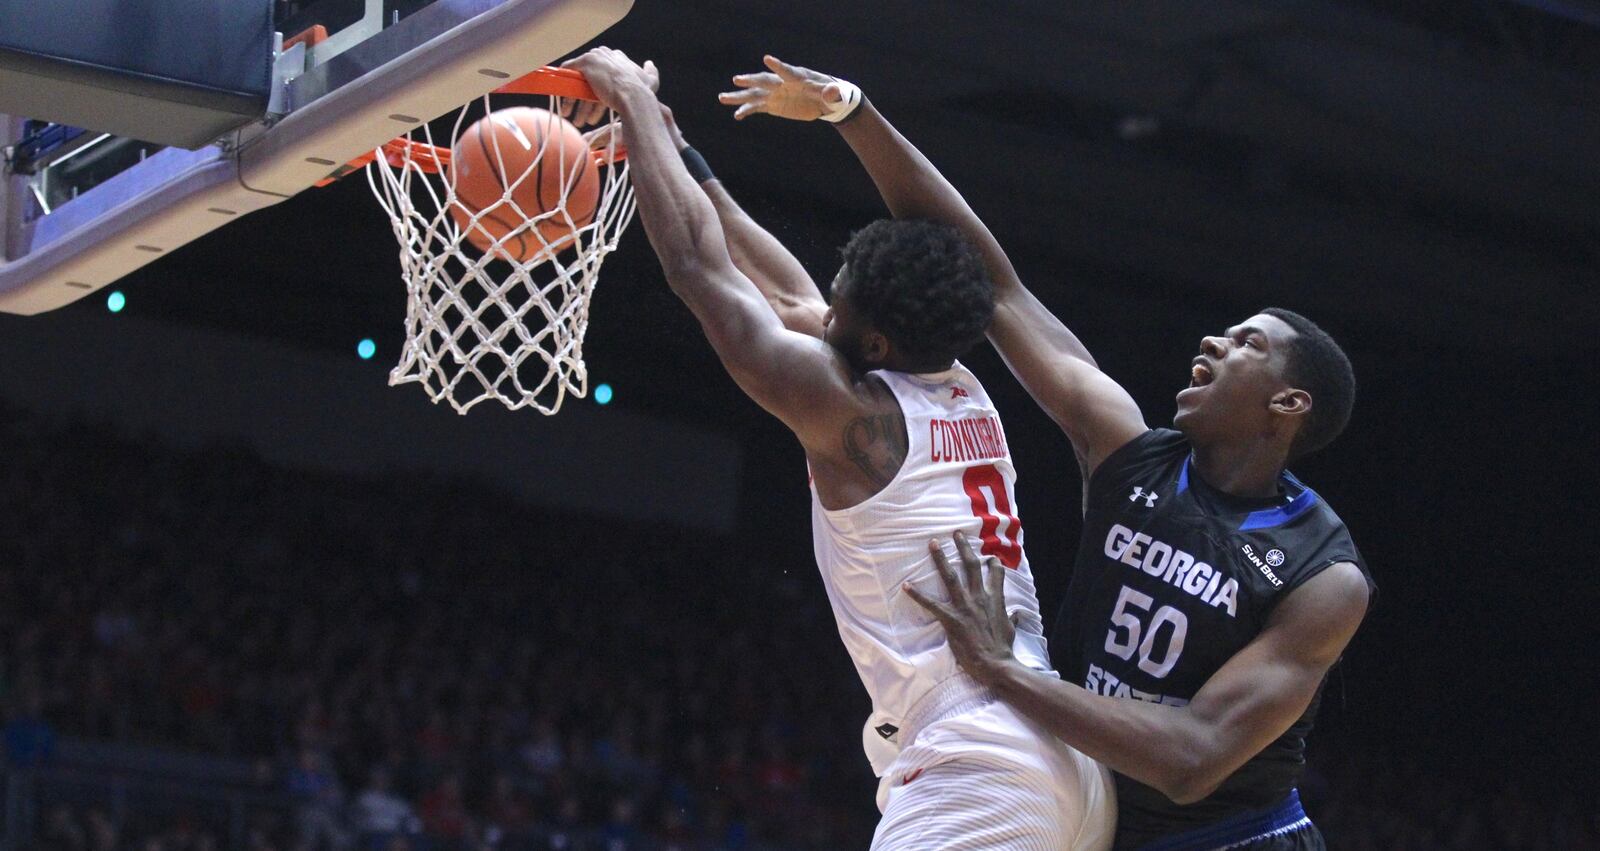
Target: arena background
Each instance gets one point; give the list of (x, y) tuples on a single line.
[(239, 572)]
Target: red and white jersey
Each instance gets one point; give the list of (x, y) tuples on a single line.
[(957, 475)]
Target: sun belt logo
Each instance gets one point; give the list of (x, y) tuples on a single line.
[(958, 393), (1274, 559), (1149, 497)]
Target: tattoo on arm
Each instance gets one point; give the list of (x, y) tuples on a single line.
[(877, 445)]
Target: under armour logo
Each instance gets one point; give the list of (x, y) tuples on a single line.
[(958, 393), (1149, 498)]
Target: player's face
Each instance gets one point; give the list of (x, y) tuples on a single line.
[(842, 326), (1234, 380)]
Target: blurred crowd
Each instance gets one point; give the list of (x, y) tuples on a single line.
[(423, 664), (1373, 802), (412, 663)]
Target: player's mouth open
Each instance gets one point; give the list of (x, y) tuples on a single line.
[(1200, 374)]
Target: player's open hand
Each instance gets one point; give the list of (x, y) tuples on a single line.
[(787, 91), (612, 75), (975, 620)]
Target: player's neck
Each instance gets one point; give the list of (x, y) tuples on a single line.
[(897, 364), (1240, 469)]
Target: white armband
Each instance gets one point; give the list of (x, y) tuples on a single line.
[(849, 101)]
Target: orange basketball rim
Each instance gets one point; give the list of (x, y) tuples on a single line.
[(432, 159)]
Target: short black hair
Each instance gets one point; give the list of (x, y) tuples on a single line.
[(1318, 366), (923, 285)]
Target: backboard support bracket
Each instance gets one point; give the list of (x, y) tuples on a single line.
[(343, 104)]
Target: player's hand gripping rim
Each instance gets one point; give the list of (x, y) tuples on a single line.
[(787, 91), (606, 70), (975, 620)]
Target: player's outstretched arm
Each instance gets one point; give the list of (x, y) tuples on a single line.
[(1185, 752), (793, 376), (1055, 367), (758, 254)]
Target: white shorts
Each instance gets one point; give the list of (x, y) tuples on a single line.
[(988, 778)]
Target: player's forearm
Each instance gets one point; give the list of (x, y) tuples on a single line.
[(1160, 746), (908, 182), (679, 219), (783, 282), (913, 188)]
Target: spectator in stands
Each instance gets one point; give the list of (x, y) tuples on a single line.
[(318, 797), (209, 602), (378, 814), (62, 832), (444, 810), (103, 833), (30, 740), (508, 809)]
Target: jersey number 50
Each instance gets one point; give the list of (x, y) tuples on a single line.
[(1001, 531), (1123, 641)]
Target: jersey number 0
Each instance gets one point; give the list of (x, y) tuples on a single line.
[(1001, 531)]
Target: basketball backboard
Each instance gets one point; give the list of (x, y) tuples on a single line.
[(82, 208)]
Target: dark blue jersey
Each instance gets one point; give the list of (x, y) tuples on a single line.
[(1172, 579)]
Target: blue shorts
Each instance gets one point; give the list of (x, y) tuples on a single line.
[(1284, 827)]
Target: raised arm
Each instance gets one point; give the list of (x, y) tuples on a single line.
[(797, 378), (1055, 367), (758, 254), (1185, 752)]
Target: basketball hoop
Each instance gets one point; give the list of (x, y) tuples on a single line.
[(497, 306)]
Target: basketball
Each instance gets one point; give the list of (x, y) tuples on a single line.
[(538, 156)]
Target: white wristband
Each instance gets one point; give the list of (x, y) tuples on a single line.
[(850, 99)]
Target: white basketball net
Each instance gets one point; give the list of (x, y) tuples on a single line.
[(479, 324)]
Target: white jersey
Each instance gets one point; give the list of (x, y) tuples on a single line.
[(957, 475)]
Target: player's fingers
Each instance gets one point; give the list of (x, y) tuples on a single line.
[(833, 93), (600, 137), (574, 109), (937, 609), (652, 75), (585, 113), (783, 69), (995, 583), (766, 81), (941, 565), (744, 96), (971, 566)]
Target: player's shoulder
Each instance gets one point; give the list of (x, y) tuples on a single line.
[(1317, 539), (949, 393), (1155, 452), (1313, 517)]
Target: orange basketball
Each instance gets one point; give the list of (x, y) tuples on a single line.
[(513, 165)]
